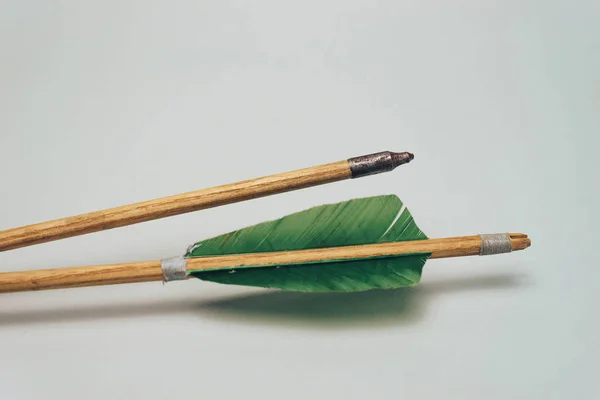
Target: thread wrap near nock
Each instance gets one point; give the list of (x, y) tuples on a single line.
[(496, 243)]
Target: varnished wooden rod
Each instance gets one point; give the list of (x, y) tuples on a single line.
[(148, 271), (200, 199)]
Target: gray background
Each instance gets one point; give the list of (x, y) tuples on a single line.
[(107, 104)]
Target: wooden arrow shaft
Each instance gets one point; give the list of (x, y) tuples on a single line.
[(201, 199), (173, 205), (148, 271)]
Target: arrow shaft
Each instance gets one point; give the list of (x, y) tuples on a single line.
[(149, 271), (200, 200)]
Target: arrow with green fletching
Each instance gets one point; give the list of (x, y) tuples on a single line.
[(361, 221), (356, 245)]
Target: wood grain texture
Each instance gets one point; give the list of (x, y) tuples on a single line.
[(439, 248), (61, 278), (173, 205), (151, 271)]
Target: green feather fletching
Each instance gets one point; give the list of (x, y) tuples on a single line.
[(359, 221)]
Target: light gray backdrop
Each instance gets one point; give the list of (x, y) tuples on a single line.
[(106, 104)]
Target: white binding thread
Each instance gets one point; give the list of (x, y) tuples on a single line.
[(496, 243), (174, 269)]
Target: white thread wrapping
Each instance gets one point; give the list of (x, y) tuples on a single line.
[(174, 269), (496, 243)]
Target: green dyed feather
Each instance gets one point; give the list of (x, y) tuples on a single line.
[(359, 221)]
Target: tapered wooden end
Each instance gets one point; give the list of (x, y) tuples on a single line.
[(520, 241)]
